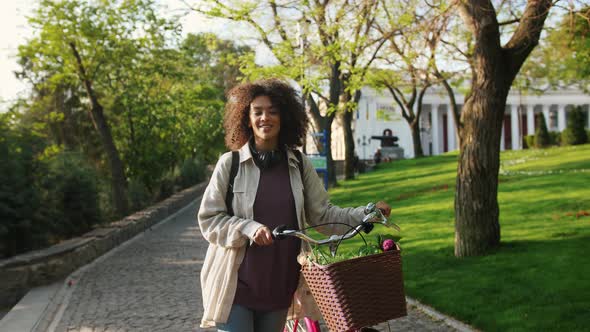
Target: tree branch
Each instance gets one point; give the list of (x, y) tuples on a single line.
[(527, 34), (394, 91), (480, 17), (516, 20)]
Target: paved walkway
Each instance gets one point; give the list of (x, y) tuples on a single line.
[(152, 284)]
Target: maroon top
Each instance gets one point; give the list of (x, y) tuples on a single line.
[(269, 275)]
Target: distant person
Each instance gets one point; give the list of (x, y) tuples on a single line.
[(248, 280), (377, 156)]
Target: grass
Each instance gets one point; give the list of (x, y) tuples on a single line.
[(539, 277)]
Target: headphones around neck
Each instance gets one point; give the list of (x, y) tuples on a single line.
[(265, 159)]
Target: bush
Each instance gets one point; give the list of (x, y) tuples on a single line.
[(542, 138), (71, 195), (19, 195), (554, 138), (21, 223), (192, 171), (574, 133), (528, 141), (139, 195), (167, 185)]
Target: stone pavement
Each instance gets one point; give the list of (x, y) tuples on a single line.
[(152, 284)]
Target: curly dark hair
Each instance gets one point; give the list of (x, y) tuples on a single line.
[(294, 121)]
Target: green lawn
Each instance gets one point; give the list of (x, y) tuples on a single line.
[(539, 278)]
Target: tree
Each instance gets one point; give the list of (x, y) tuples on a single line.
[(477, 227), (413, 32), (161, 100), (19, 195), (575, 132), (216, 61), (337, 64), (542, 138), (85, 45), (562, 59)]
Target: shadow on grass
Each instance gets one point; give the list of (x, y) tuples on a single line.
[(527, 282)]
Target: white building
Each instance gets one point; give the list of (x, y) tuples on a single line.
[(378, 111)]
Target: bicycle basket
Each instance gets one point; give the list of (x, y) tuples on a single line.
[(358, 292)]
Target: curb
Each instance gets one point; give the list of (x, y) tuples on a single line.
[(458, 325)]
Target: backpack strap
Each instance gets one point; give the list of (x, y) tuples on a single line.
[(300, 159), (229, 196)]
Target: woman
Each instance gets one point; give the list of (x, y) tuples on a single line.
[(248, 280)]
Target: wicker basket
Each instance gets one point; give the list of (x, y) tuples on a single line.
[(358, 292)]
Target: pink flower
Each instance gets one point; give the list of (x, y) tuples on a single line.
[(388, 245)]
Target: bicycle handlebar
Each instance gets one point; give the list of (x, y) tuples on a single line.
[(373, 215)]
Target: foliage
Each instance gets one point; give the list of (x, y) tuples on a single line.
[(20, 200), (562, 59), (192, 171), (529, 141), (554, 138), (575, 132), (307, 41), (162, 98), (542, 138), (139, 195), (544, 200), (321, 255), (408, 63), (44, 196), (70, 195)]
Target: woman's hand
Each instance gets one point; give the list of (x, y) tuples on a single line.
[(384, 207), (263, 236)]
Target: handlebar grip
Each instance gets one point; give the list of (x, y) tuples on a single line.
[(370, 208), (368, 227), (277, 233)]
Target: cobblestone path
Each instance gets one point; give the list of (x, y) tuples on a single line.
[(152, 285)]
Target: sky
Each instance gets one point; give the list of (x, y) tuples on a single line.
[(15, 31)]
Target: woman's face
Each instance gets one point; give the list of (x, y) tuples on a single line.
[(265, 121)]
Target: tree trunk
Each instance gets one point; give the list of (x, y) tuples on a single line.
[(348, 145), (335, 91), (118, 179), (416, 139), (332, 182), (477, 226)]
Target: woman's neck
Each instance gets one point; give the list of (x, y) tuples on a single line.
[(265, 145)]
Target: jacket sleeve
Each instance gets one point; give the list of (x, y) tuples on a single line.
[(216, 225), (318, 208)]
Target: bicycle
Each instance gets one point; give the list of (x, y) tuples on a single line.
[(373, 215)]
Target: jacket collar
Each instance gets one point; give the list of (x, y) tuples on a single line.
[(245, 153)]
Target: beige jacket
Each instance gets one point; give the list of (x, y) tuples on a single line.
[(228, 236)]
